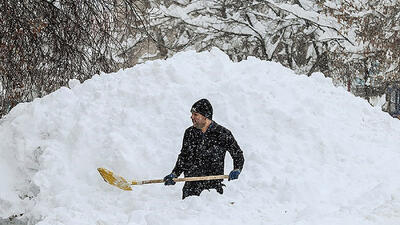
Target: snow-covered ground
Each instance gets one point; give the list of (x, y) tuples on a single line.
[(314, 153)]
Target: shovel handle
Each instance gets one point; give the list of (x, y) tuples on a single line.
[(216, 177)]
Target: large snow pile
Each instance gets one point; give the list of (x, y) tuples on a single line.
[(314, 153)]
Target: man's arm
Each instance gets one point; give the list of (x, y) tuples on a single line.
[(235, 152)]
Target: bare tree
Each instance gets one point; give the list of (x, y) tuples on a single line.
[(283, 31), (374, 61), (45, 43)]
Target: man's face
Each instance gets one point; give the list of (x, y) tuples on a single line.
[(198, 120)]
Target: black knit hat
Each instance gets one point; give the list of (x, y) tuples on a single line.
[(203, 106)]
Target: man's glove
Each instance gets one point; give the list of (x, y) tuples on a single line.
[(168, 179), (234, 174)]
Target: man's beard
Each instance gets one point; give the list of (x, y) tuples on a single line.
[(198, 125)]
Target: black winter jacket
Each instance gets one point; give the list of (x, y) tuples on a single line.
[(203, 154)]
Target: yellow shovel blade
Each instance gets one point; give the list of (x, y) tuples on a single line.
[(114, 180)]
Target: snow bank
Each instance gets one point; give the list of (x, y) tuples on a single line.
[(314, 153)]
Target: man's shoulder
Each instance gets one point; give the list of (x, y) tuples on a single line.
[(191, 130), (220, 129)]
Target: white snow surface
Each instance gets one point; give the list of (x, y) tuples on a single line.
[(314, 153)]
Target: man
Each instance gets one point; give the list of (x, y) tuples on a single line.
[(203, 152)]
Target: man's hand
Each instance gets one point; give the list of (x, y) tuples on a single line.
[(168, 179), (234, 174)]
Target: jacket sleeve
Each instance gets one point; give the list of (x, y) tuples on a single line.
[(183, 156), (235, 152)]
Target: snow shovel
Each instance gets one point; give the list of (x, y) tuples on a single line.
[(123, 184)]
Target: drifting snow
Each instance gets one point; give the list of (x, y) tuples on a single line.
[(314, 153)]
